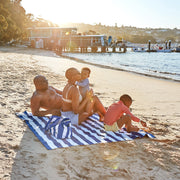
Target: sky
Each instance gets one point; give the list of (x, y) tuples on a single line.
[(138, 13)]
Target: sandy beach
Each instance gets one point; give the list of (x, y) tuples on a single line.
[(22, 156)]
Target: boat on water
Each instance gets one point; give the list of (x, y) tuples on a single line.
[(177, 49), (164, 50), (151, 50), (139, 50), (155, 48)]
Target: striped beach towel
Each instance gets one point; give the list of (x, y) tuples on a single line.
[(89, 132)]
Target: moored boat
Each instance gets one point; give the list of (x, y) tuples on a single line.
[(152, 50), (139, 50), (177, 49)]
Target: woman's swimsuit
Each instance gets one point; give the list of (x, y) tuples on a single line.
[(66, 96)]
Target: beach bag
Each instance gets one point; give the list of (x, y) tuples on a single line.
[(59, 127)]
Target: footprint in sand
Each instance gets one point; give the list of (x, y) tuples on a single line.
[(60, 168), (1, 123), (3, 104), (43, 155)]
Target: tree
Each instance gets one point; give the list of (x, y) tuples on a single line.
[(12, 20), (3, 24)]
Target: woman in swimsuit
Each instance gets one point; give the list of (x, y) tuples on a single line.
[(73, 106)]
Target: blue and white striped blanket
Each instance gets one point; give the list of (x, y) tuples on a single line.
[(90, 132)]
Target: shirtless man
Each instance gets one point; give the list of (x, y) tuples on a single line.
[(45, 97)]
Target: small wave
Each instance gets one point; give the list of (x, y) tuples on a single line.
[(161, 72), (176, 74), (126, 65)]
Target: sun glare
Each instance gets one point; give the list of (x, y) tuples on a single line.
[(129, 13), (62, 12), (71, 11)]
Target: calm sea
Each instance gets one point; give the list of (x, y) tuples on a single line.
[(160, 65)]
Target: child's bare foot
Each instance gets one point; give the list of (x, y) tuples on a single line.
[(146, 129), (132, 128), (101, 117)]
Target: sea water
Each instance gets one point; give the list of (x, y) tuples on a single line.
[(156, 64)]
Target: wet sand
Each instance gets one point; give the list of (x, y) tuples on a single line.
[(22, 156)]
